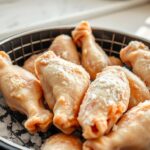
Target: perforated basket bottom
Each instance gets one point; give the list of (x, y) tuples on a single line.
[(19, 49)]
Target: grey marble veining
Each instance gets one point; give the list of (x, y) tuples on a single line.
[(18, 13)]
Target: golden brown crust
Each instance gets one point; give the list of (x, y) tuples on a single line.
[(94, 59), (4, 59), (104, 103), (139, 91), (29, 63), (62, 142), (23, 92), (115, 61), (137, 55), (131, 47), (64, 84), (125, 135), (64, 47)]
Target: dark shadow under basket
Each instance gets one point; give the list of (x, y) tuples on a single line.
[(20, 47)]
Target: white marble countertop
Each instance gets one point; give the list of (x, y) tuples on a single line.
[(21, 14), (129, 20)]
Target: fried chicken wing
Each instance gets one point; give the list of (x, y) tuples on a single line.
[(139, 91), (29, 63), (130, 133), (104, 103), (115, 61), (64, 47), (94, 58), (62, 142), (23, 93), (137, 55), (64, 84)]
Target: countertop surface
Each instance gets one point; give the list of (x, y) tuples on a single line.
[(129, 20), (20, 14)]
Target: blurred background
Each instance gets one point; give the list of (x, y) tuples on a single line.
[(131, 16)]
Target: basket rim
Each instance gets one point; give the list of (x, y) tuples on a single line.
[(69, 27)]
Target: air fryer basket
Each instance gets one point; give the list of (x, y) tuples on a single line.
[(22, 46)]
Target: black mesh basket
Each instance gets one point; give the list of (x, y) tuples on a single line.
[(19, 48)]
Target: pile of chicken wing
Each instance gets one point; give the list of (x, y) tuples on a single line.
[(89, 90)]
